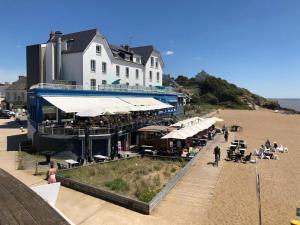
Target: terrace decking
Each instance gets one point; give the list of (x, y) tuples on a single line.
[(20, 205)]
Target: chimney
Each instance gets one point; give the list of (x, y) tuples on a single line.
[(58, 55), (51, 35), (126, 46)]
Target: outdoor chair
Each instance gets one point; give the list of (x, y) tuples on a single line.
[(247, 158), (61, 166)]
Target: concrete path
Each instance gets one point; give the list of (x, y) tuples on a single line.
[(185, 204)]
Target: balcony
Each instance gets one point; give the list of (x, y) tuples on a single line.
[(107, 87)]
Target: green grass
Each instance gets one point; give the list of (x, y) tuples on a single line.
[(118, 185), (137, 178)]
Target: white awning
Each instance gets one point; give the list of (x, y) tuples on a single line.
[(191, 127), (91, 106), (71, 104), (144, 104), (189, 121), (176, 134)]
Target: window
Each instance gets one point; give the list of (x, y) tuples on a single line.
[(7, 95), (93, 84), (104, 67), (127, 84), (93, 65), (98, 49), (136, 85), (104, 82), (152, 61), (138, 60), (150, 76), (118, 70), (157, 76), (127, 72), (156, 63), (137, 74)]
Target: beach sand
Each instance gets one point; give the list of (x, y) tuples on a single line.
[(231, 200), (234, 200)]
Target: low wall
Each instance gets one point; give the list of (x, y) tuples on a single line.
[(106, 195), (142, 207)]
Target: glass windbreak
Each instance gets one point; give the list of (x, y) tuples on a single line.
[(49, 113), (67, 116)]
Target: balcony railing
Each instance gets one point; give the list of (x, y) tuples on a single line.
[(106, 87), (61, 130)]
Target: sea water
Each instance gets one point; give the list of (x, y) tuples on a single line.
[(291, 103)]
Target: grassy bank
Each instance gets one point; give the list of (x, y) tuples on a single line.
[(138, 178)]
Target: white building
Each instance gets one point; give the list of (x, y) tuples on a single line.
[(86, 58)]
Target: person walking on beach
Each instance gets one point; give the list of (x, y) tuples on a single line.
[(51, 174), (217, 153), (223, 129), (226, 135)]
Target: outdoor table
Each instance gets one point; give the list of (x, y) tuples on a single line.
[(100, 157), (48, 155), (242, 151), (71, 162), (148, 151)]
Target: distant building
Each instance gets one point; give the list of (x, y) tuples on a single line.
[(16, 94), (86, 58), (3, 87)]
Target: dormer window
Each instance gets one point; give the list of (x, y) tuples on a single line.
[(70, 43), (152, 61), (98, 49)]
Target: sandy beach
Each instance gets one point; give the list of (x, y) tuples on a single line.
[(234, 200), (206, 195)]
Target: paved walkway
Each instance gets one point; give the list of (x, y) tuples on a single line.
[(185, 204)]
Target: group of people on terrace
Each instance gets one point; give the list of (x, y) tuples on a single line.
[(138, 119)]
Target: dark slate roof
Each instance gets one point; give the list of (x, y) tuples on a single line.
[(20, 84), (119, 48), (80, 40), (21, 205), (144, 52)]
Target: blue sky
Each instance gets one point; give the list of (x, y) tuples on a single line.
[(252, 43)]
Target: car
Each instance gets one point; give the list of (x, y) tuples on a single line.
[(4, 115), (11, 113)]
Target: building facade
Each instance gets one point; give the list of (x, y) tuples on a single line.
[(16, 93), (86, 58)]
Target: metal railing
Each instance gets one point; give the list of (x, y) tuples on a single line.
[(61, 130), (106, 87)]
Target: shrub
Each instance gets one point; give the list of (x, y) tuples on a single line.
[(117, 185), (156, 180), (173, 169), (146, 196)]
